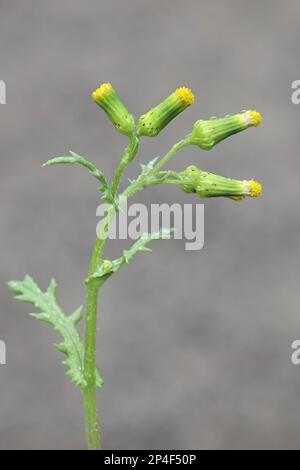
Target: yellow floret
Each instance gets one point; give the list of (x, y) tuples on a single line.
[(237, 198), (185, 95), (254, 117), (99, 92), (255, 188)]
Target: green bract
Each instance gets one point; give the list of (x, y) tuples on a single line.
[(206, 134), (107, 98), (151, 123), (206, 184)]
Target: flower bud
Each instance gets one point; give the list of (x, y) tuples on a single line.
[(107, 98), (206, 134), (206, 184), (151, 123)]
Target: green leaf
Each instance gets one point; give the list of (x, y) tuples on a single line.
[(146, 169), (51, 313), (146, 177), (107, 267), (75, 158)]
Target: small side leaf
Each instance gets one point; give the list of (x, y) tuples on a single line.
[(75, 158), (51, 313), (107, 268), (146, 176), (146, 169)]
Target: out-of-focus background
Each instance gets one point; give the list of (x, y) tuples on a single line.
[(194, 347)]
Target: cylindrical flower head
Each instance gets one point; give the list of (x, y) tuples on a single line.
[(206, 184), (206, 134), (107, 98), (151, 123)]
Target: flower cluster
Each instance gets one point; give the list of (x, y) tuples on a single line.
[(205, 134), (81, 353)]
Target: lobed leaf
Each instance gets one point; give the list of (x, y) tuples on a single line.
[(51, 313), (107, 268), (74, 158)]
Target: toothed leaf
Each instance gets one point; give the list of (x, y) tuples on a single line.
[(146, 169), (75, 158), (51, 313), (147, 176), (107, 267)]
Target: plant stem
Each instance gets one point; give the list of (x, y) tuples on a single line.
[(182, 143), (89, 393), (91, 419), (128, 155)]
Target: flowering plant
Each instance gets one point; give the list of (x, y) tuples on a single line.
[(81, 353)]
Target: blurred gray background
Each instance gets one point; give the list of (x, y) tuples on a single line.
[(194, 346)]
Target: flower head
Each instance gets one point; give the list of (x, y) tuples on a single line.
[(206, 184), (253, 117), (107, 98), (207, 133), (254, 188), (151, 123)]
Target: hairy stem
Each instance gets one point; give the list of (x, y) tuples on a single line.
[(89, 393)]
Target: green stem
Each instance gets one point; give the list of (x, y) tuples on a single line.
[(128, 155), (89, 393), (180, 145), (177, 182), (91, 419)]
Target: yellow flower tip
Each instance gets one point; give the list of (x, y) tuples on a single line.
[(253, 117), (102, 90), (237, 198), (255, 188), (107, 98), (185, 95)]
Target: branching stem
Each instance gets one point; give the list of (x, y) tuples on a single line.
[(89, 393), (172, 152)]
